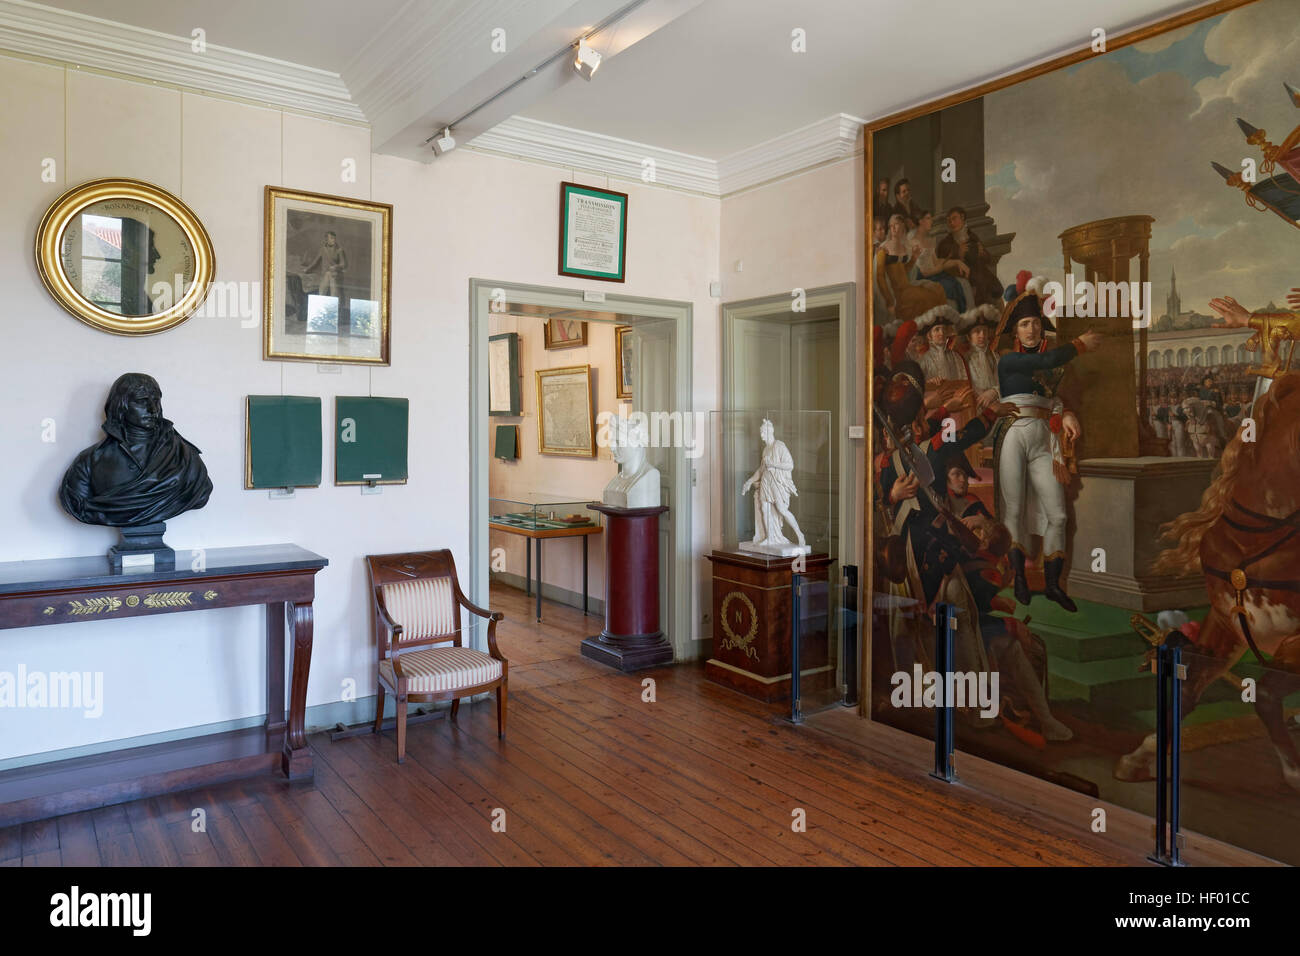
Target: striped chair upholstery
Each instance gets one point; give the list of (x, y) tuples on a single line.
[(425, 607), (444, 668)]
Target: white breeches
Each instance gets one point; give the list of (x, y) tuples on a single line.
[(1026, 483)]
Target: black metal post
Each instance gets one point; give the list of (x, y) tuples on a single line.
[(539, 580), (1176, 747), (849, 632), (528, 567), (1162, 745), (945, 623), (585, 539), (795, 582)]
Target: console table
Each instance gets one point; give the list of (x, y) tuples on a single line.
[(68, 590)]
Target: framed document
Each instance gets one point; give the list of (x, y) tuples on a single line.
[(503, 374), (623, 361), (566, 417), (327, 265), (593, 232)]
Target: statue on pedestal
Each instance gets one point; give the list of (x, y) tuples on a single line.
[(774, 484), (637, 483), (141, 474)]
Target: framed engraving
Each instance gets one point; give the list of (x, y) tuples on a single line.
[(327, 264)]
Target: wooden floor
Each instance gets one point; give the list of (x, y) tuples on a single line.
[(589, 774)]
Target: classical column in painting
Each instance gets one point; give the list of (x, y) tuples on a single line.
[(1105, 385), (1126, 491)]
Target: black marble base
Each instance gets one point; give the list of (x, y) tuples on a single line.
[(645, 650), (141, 541)]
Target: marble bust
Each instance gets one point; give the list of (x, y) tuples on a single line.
[(773, 484), (637, 483), (141, 474)]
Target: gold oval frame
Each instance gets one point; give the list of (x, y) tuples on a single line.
[(49, 237)]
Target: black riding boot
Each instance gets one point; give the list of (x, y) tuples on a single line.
[(1052, 591), (1021, 587)]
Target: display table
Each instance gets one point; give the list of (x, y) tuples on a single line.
[(631, 639), (752, 628), (539, 534), (70, 590)]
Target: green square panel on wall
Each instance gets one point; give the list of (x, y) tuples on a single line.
[(282, 441), (370, 440)]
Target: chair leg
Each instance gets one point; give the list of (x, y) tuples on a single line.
[(401, 727), (379, 711), (501, 711), (455, 708)]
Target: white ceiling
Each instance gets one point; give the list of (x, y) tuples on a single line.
[(324, 34), (719, 78), (723, 77)]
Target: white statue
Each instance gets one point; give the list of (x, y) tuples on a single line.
[(637, 483), (773, 485)]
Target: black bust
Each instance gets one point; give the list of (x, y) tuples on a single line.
[(141, 474)]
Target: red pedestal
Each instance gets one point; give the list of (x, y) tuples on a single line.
[(632, 639)]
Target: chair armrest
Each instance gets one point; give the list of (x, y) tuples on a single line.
[(493, 616), (386, 620)]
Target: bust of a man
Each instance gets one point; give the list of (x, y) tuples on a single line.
[(637, 483), (143, 472)]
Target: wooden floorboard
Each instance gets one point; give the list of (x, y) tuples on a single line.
[(591, 774)]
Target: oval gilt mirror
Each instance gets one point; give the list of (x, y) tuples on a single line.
[(124, 256)]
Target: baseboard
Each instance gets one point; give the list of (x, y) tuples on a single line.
[(551, 592)]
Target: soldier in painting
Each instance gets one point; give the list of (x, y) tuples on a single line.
[(1030, 471)]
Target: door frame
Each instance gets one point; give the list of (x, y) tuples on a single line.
[(681, 632), (843, 296)]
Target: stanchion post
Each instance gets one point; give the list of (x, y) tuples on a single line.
[(796, 581), (849, 632), (945, 623)]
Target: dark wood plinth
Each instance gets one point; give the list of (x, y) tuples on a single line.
[(67, 590), (631, 639), (752, 628)]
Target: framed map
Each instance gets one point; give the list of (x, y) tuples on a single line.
[(566, 417), (623, 358), (503, 374)]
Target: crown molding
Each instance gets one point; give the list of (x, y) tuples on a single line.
[(523, 138), (47, 33), (826, 141), (817, 144)]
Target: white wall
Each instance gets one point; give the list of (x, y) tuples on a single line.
[(467, 215)]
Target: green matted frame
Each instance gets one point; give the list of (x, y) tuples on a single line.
[(567, 192), (370, 440), (282, 441)]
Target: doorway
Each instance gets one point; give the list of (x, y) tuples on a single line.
[(783, 354), (655, 336)]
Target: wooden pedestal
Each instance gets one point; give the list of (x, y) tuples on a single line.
[(631, 639), (752, 627)]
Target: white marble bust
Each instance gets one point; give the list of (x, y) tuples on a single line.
[(637, 483)]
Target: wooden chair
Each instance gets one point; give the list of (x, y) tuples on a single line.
[(417, 607)]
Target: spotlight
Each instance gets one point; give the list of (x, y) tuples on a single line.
[(588, 61), (444, 143)]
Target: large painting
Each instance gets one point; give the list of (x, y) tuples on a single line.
[(1083, 297)]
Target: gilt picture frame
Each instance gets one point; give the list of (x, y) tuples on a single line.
[(566, 412), (327, 266)]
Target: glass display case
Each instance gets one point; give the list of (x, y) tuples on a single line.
[(735, 454), (539, 512)]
